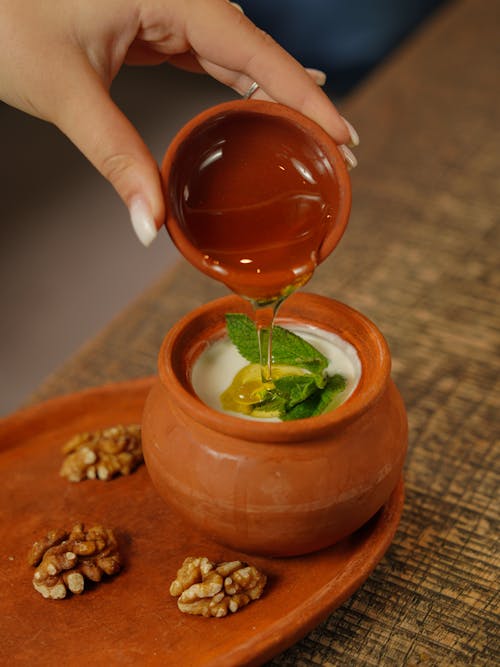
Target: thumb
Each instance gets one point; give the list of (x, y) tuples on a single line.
[(91, 120)]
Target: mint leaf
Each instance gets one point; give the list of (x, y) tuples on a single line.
[(295, 396), (334, 386), (318, 402), (274, 406), (295, 388), (292, 350), (304, 409), (243, 334), (287, 348)]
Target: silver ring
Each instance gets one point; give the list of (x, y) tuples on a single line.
[(253, 89)]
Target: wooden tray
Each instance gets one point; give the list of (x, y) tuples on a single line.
[(131, 619)]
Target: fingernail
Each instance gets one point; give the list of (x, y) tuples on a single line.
[(235, 4), (349, 157), (318, 76), (352, 133), (142, 221)]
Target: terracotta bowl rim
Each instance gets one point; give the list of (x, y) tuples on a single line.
[(373, 352), (276, 110)]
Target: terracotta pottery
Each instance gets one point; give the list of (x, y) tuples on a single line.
[(277, 489), (252, 187), (154, 541)]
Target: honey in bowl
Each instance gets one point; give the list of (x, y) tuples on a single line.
[(257, 196)]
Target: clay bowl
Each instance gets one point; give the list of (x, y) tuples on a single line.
[(237, 156), (275, 489)]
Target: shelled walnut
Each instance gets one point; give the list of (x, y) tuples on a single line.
[(209, 589), (102, 454), (65, 558)]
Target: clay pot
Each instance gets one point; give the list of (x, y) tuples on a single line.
[(237, 155), (277, 489)]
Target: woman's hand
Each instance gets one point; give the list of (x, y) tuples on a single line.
[(59, 58)]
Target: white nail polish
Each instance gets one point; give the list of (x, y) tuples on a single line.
[(352, 133), (142, 221), (318, 76), (349, 157)]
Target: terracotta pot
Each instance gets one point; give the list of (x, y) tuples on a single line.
[(224, 160), (277, 489)]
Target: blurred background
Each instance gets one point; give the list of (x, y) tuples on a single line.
[(69, 260)]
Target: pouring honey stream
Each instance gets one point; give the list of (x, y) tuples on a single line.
[(257, 197)]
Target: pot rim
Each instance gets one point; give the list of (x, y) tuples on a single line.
[(276, 110), (175, 361)]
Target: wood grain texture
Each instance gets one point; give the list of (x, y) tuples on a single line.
[(420, 258)]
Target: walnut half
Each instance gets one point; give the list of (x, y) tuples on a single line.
[(102, 454), (209, 589), (66, 558)]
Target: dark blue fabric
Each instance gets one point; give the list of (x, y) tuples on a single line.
[(345, 39)]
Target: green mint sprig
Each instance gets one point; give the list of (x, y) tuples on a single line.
[(294, 396), (288, 349), (317, 402)]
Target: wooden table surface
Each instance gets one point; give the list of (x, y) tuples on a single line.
[(420, 258)]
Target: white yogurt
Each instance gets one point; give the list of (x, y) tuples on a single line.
[(216, 367)]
